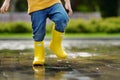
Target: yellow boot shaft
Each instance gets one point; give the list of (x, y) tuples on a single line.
[(56, 44), (39, 56)]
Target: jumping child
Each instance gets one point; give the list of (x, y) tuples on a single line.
[(39, 11)]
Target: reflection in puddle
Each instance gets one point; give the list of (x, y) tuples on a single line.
[(39, 73), (42, 73)]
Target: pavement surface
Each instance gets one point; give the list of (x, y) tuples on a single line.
[(80, 42)]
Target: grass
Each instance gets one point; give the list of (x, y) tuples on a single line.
[(76, 35), (92, 35), (15, 35)]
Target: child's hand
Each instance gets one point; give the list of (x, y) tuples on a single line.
[(68, 7), (5, 6)]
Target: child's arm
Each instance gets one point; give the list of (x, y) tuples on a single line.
[(5, 6), (68, 7)]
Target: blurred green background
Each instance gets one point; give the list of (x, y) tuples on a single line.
[(91, 17)]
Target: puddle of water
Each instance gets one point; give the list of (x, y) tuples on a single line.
[(42, 73), (12, 68), (85, 62)]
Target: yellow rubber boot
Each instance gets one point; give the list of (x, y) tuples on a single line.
[(39, 57), (56, 44)]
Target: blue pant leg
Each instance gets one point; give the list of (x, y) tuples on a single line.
[(59, 16), (38, 19)]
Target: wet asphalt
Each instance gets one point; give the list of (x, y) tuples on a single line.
[(80, 42)]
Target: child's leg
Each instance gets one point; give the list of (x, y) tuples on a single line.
[(38, 19), (60, 17)]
